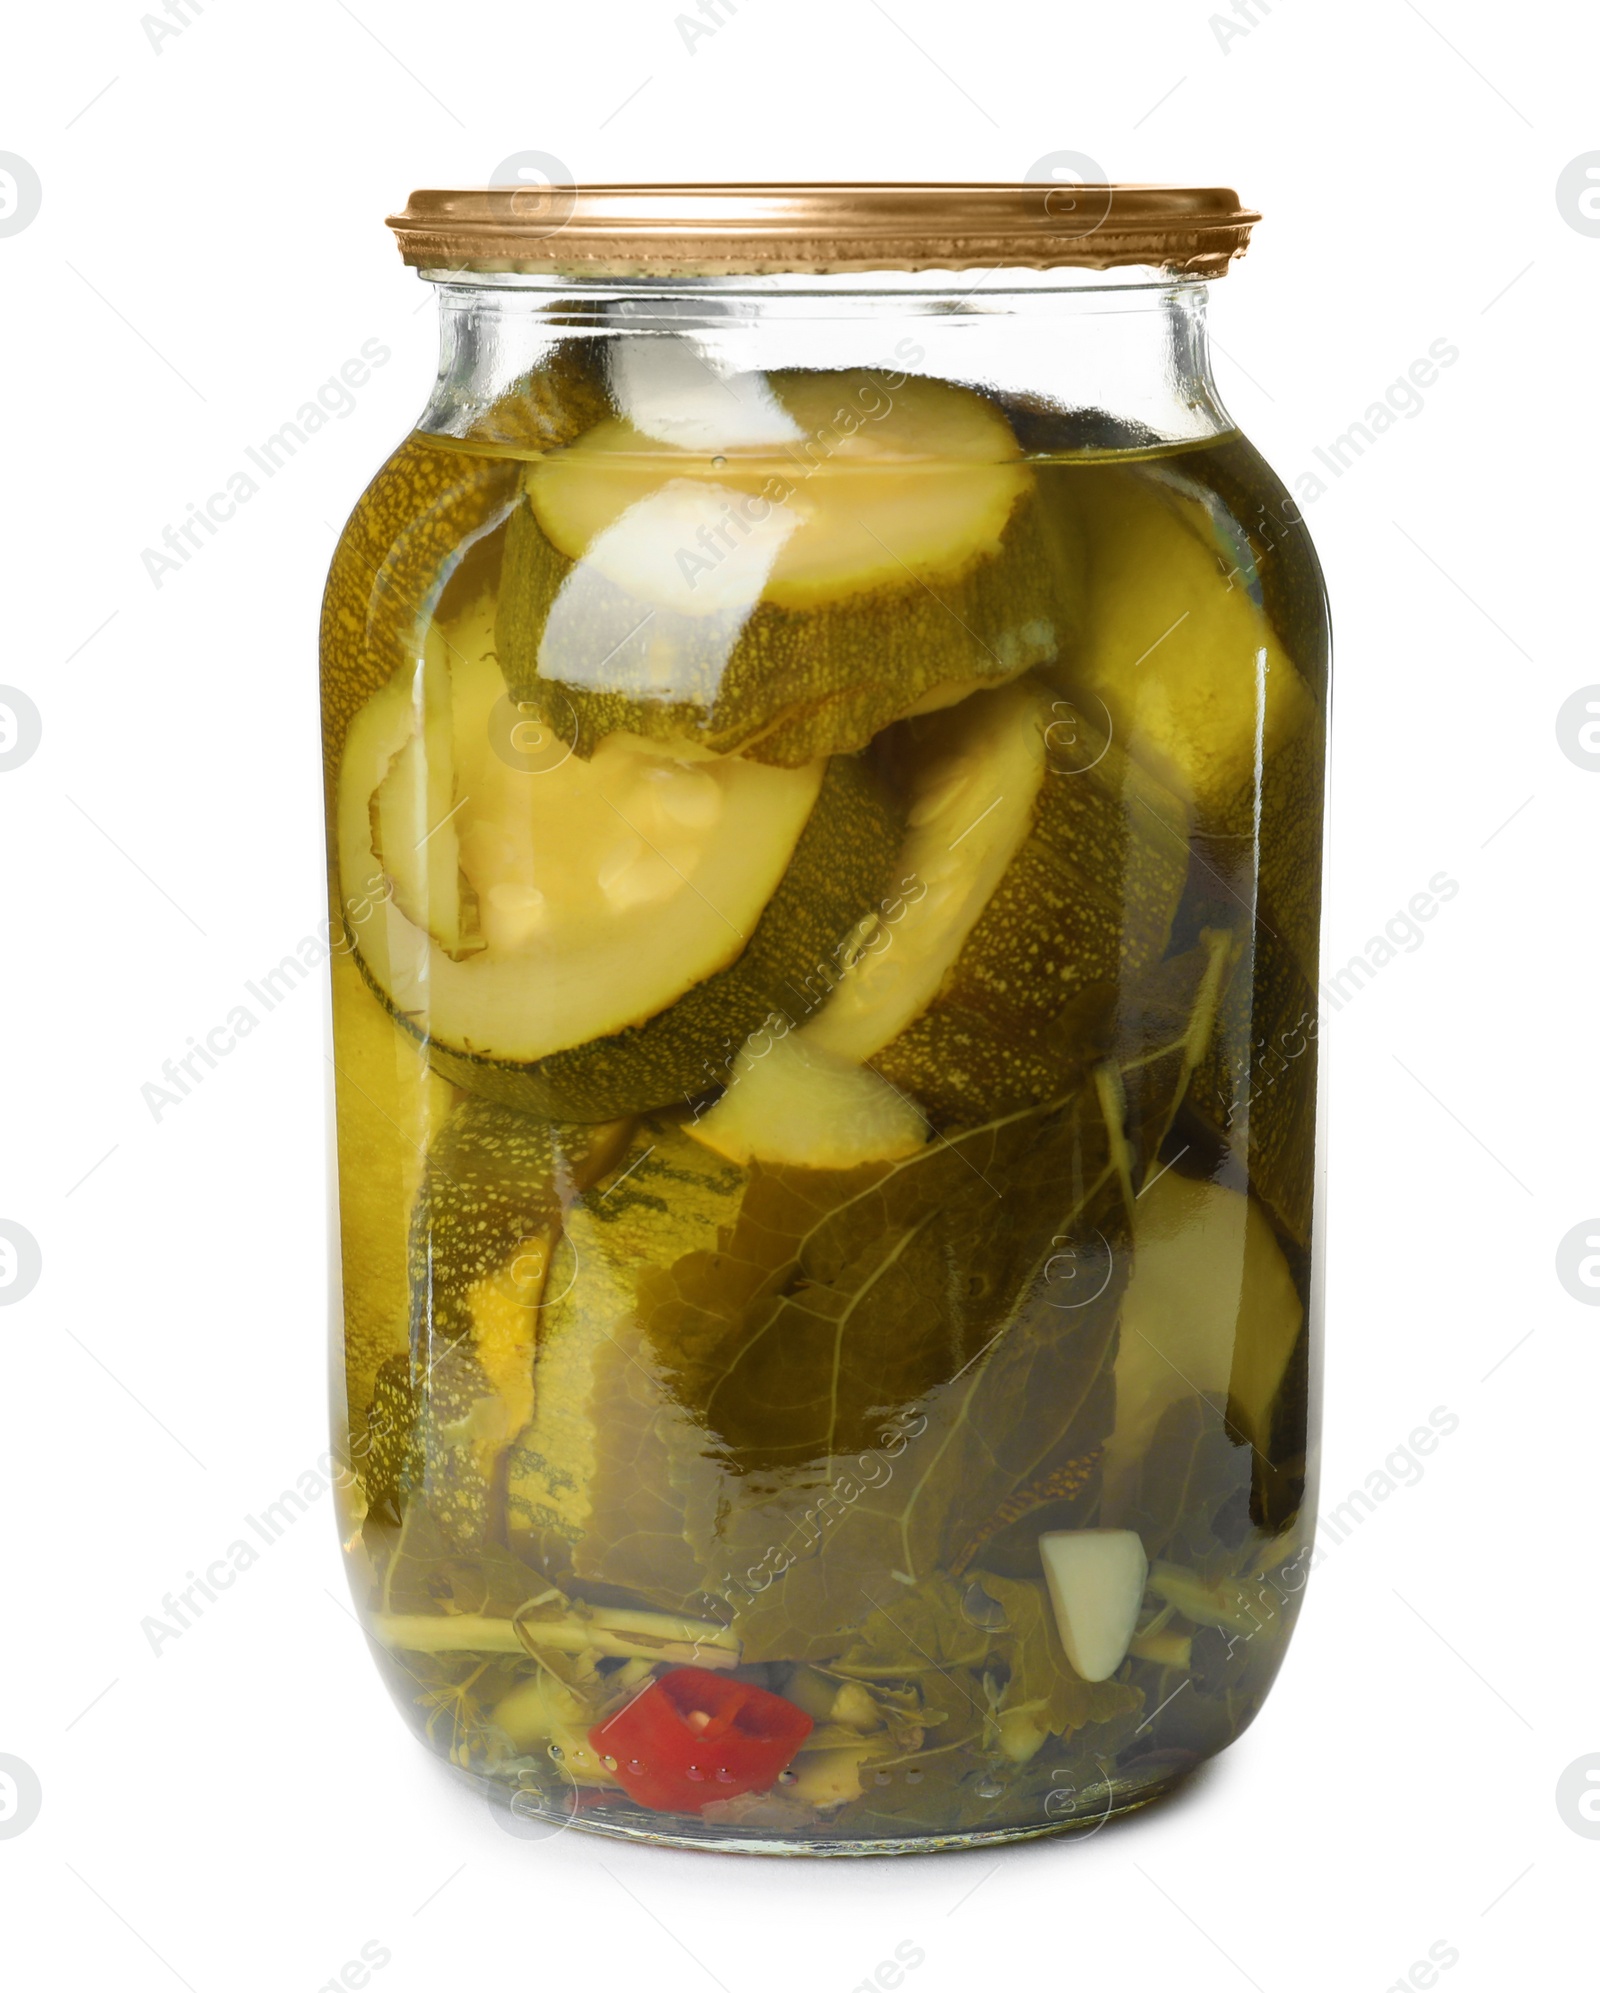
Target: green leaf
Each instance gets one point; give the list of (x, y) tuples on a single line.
[(1042, 1681), (879, 1373), (914, 1632), (1193, 1504), (421, 1571), (943, 1789), (600, 1482), (843, 1294)]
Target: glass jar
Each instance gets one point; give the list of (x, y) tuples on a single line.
[(825, 739)]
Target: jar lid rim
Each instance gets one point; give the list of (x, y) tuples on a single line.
[(820, 227)]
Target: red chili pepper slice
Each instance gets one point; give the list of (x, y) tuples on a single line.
[(692, 1736)]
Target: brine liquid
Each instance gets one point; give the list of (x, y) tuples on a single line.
[(620, 1398)]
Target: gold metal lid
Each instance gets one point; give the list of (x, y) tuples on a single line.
[(821, 228)]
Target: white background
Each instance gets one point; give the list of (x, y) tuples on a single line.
[(244, 1811)]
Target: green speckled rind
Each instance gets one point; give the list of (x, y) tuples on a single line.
[(391, 562), (1087, 901), (593, 1487), (785, 685)]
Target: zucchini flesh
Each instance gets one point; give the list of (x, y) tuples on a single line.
[(557, 905), (974, 804), (921, 489), (791, 1102)]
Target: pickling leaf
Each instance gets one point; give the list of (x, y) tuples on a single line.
[(843, 1294), (840, 1295), (928, 1632), (1041, 1680), (448, 1700), (906, 1633), (992, 1382), (881, 1357), (946, 1790), (960, 1776), (1193, 1502), (421, 1571)]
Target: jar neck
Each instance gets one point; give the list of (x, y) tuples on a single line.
[(1125, 362)]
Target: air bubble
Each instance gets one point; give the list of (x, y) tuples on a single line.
[(988, 1787), (557, 1753), (719, 463)]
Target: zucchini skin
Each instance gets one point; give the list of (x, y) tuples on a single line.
[(1087, 902), (415, 520), (797, 683), (400, 546), (839, 873)]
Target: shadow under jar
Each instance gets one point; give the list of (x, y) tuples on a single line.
[(825, 730)]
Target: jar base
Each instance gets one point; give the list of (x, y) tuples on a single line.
[(524, 1817)]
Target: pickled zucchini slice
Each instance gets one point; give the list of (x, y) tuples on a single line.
[(1179, 650), (928, 486), (1211, 1308), (1024, 888), (582, 937), (387, 1102), (1052, 872), (548, 406), (595, 1484), (1258, 1086), (482, 1236), (790, 1101), (785, 601), (416, 520), (982, 774), (422, 515), (654, 873)]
